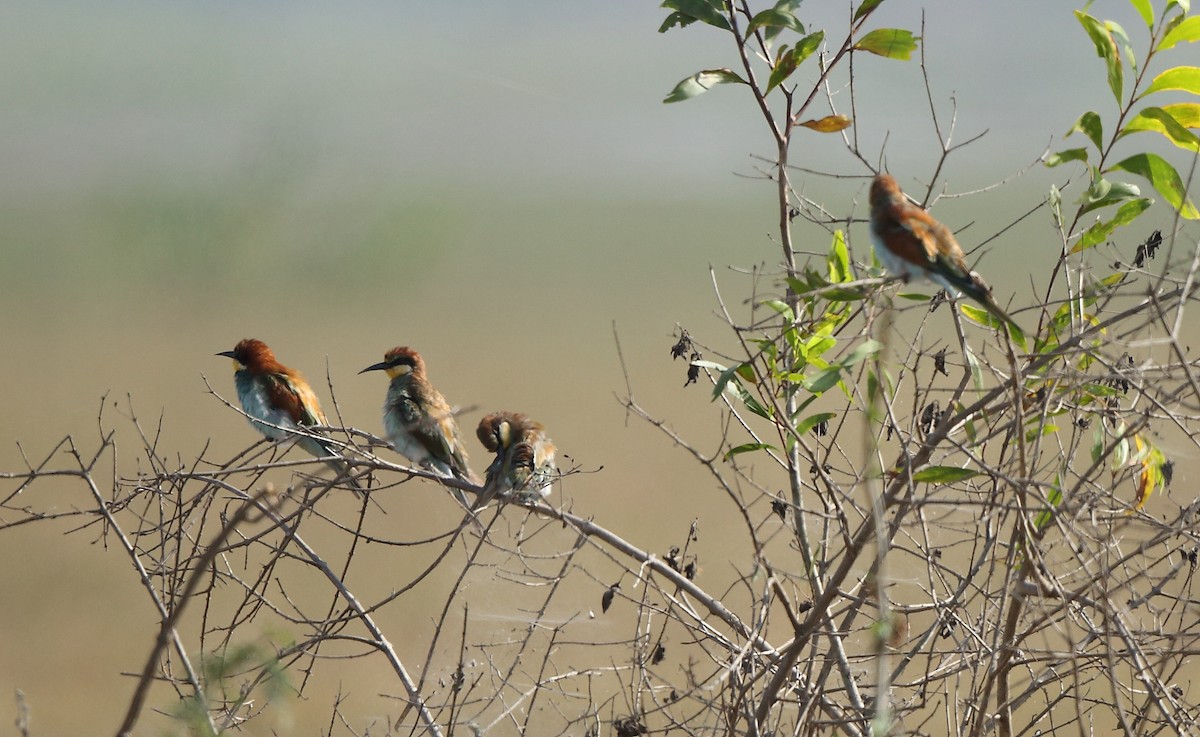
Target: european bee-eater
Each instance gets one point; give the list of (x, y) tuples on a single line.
[(280, 402), (524, 462), (418, 421), (910, 243)]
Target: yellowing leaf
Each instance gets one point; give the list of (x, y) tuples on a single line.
[(1179, 78), (1187, 31), (828, 124)]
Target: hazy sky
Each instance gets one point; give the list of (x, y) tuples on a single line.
[(540, 94)]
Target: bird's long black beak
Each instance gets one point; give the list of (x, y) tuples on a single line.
[(381, 366), (226, 354)]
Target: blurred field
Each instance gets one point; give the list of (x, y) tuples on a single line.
[(497, 188)]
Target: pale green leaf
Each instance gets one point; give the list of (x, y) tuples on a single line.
[(1145, 10), (782, 308), (891, 43), (943, 474), (976, 370), (839, 259), (747, 448), (1102, 193), (1118, 34), (866, 349), (702, 82)]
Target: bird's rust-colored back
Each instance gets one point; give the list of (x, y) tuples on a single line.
[(908, 230)]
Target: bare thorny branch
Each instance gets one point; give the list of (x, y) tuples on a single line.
[(960, 539)]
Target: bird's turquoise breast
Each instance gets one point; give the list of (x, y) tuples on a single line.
[(256, 403)]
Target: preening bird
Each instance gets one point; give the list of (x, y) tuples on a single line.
[(280, 402), (910, 243), (524, 463), (418, 421)]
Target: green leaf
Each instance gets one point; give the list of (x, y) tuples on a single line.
[(808, 423), (1184, 5), (707, 11), (1185, 32), (1179, 78), (824, 380), (1090, 125), (727, 374), (891, 43), (1055, 201), (754, 405), (819, 343), (676, 19), (839, 259), (747, 448), (1162, 121), (775, 18), (1164, 178), (1054, 498), (702, 82), (1145, 10), (980, 315), (866, 7), (1106, 49), (943, 474), (1099, 232), (786, 6), (845, 295), (789, 60), (1033, 433), (1062, 157)]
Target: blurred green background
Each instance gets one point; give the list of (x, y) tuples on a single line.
[(495, 184)]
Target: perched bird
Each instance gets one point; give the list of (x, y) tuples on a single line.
[(910, 243), (524, 462), (418, 421), (280, 402)]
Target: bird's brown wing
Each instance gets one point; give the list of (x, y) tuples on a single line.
[(293, 395), (429, 421)]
